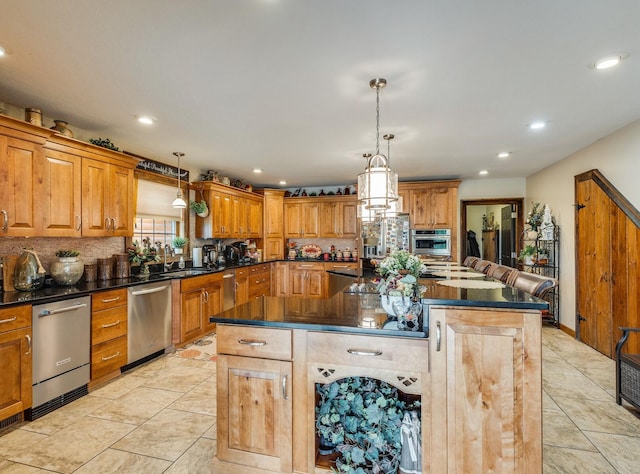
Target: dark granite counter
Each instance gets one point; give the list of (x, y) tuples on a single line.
[(361, 312)]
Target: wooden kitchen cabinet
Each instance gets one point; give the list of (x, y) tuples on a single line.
[(20, 157), (486, 391), (107, 199), (109, 330), (15, 360), (254, 224), (306, 279), (280, 278), (432, 208), (242, 285), (301, 218), (200, 298), (254, 376), (260, 280), (338, 218), (273, 218)]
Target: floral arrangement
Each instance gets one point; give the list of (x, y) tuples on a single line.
[(399, 271), (535, 215), (142, 255)]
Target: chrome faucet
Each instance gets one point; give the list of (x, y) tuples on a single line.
[(167, 265)]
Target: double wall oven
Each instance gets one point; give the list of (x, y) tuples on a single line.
[(433, 242)]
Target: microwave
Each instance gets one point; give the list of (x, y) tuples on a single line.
[(435, 242)]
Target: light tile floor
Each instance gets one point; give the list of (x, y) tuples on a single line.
[(160, 418)]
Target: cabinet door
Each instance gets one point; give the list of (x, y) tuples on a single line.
[(297, 282), (192, 319), (15, 377), (349, 220), (254, 230), (419, 209), (442, 208), (242, 286), (59, 200), (213, 301), (311, 220), (486, 391), (18, 164), (255, 423), (95, 196), (293, 220), (330, 220), (120, 201), (315, 284), (273, 248), (226, 221), (239, 217), (280, 285), (273, 215)]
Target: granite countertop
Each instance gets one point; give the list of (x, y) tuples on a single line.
[(361, 312)]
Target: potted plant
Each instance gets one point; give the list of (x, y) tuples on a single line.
[(526, 254), (362, 418), (66, 270), (200, 208), (179, 243), (542, 258), (534, 219)]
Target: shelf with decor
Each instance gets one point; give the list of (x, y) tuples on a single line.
[(541, 254)]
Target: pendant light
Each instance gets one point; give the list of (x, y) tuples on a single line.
[(394, 206), (179, 202), (377, 185), (365, 214)]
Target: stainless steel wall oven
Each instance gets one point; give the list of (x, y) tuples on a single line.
[(435, 242)]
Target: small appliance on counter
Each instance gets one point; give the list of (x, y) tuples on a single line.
[(232, 255)]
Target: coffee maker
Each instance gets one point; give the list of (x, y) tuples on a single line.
[(242, 250), (232, 254)]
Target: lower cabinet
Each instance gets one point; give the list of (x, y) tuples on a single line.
[(306, 279), (260, 280), (200, 298), (486, 391), (242, 285), (109, 329), (15, 361), (254, 377)]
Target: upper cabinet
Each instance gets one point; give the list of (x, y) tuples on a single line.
[(273, 218), (234, 213), (301, 218), (338, 219), (55, 186), (432, 204), (324, 217)]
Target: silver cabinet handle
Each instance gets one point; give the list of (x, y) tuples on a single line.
[(149, 291), (306, 265), (228, 275), (5, 220), (104, 326), (284, 386), (49, 312), (206, 296), (438, 336), (78, 222), (252, 342), (8, 320), (110, 300), (361, 352), (29, 344), (111, 357), (106, 223)]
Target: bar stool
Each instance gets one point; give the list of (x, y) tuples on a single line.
[(534, 284), (501, 272), (470, 261), (482, 265)]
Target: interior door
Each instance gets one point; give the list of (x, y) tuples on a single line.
[(508, 235)]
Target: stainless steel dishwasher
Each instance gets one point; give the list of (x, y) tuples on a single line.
[(149, 326), (61, 354), (228, 289)]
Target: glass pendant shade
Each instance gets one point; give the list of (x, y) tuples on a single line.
[(377, 185), (178, 202)]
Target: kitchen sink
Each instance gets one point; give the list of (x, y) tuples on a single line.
[(184, 273)]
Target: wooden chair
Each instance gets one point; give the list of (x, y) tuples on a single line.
[(470, 261), (627, 372), (534, 284), (501, 272)]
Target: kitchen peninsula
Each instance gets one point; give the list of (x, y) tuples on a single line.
[(476, 365)]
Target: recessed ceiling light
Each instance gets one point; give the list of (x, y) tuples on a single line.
[(609, 61), (2, 51), (483, 172), (145, 119), (282, 182), (257, 170), (504, 154), (537, 125)]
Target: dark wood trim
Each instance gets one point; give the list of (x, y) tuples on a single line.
[(610, 190), (519, 202)]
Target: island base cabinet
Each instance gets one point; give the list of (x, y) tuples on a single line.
[(486, 391), (254, 412)]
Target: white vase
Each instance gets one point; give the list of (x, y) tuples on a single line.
[(388, 301)]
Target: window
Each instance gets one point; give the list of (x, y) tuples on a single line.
[(159, 229)]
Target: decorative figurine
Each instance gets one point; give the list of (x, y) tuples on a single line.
[(547, 227)]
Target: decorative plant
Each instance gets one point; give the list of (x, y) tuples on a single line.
[(362, 417), (527, 251), (179, 242), (199, 207), (400, 271), (535, 215), (106, 143), (67, 253), (142, 255)]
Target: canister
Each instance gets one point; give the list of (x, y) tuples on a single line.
[(90, 272), (105, 268), (123, 267), (33, 116)]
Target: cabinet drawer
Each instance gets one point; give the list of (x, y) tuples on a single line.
[(15, 317), (108, 324), (197, 282), (241, 272), (265, 343), (108, 299), (368, 351), (337, 266), (108, 356), (307, 266), (260, 289), (261, 268)]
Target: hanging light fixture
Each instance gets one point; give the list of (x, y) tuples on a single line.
[(365, 214), (394, 206), (178, 202), (377, 185)]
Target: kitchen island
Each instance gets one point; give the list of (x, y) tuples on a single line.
[(475, 365)]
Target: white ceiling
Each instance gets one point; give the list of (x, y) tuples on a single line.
[(283, 85)]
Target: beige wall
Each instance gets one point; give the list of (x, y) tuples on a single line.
[(617, 156)]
